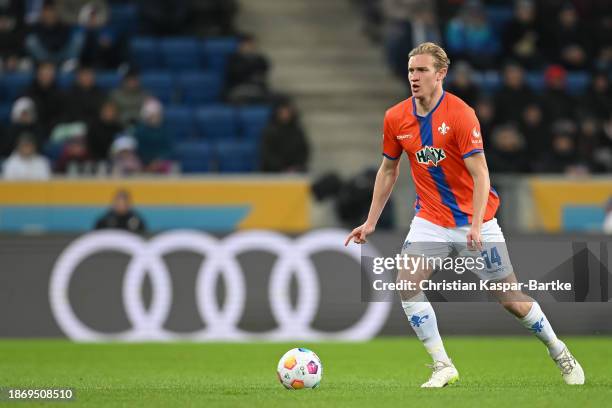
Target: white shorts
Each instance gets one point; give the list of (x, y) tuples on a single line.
[(431, 240)]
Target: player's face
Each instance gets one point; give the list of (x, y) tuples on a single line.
[(423, 76)]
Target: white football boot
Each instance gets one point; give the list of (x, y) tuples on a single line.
[(571, 370), (443, 374)]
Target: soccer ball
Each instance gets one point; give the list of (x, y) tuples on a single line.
[(299, 368)]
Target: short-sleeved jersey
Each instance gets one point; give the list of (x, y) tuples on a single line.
[(436, 146)]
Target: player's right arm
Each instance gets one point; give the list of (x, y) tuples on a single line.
[(385, 180)]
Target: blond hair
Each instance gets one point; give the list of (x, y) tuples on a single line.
[(441, 60)]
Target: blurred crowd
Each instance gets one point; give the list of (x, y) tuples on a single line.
[(87, 129), (537, 73)]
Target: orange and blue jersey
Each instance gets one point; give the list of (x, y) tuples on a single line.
[(436, 146)]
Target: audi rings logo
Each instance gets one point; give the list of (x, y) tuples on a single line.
[(293, 258)]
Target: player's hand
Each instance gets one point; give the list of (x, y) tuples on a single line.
[(474, 240), (359, 234)]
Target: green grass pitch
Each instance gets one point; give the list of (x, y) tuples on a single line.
[(494, 372)]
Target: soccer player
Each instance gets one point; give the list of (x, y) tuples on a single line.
[(455, 206)]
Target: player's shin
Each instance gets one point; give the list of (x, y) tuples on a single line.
[(422, 318), (536, 322)]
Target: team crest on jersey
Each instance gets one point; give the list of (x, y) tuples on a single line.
[(430, 154), (443, 128)]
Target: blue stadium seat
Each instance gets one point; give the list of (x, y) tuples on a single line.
[(490, 81), (14, 84), (499, 17), (217, 51), (5, 113), (107, 79), (144, 52), (535, 80), (199, 87), (194, 157), (124, 18), (237, 157), (217, 122), (577, 82), (160, 84), (181, 53), (65, 80), (253, 119), (53, 150), (180, 122)]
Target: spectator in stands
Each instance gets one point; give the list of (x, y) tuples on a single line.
[(594, 148), (84, 99), (462, 84), (165, 18), (521, 39), (514, 95), (507, 153), (129, 97), (534, 128), (284, 147), (557, 102), (562, 157), (597, 100), (46, 96), (406, 30), (469, 36), (25, 163), (102, 131), (246, 73), (70, 10), (12, 31), (52, 40), (602, 38), (154, 143), (485, 111), (102, 46), (121, 215), (567, 40), (125, 159), (604, 152), (23, 120), (214, 17), (75, 158)]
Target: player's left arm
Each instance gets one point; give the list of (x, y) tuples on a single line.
[(469, 141), (477, 166)]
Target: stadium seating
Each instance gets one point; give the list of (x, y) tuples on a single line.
[(160, 84), (108, 79), (237, 156), (180, 123), (124, 19), (5, 112), (253, 119), (199, 87), (194, 157), (217, 122), (181, 53), (144, 53), (13, 84)]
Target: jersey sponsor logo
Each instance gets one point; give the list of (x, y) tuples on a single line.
[(402, 137), (443, 128), (476, 133), (430, 154)]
